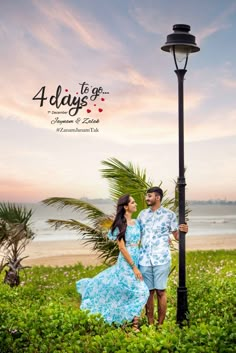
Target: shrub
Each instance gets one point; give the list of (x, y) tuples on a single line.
[(42, 314)]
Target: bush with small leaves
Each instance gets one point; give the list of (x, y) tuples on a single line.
[(42, 315)]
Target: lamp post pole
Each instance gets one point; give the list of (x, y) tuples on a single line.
[(181, 43), (182, 302)]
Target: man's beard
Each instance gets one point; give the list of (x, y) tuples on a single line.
[(150, 203)]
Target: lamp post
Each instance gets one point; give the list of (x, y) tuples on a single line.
[(181, 43)]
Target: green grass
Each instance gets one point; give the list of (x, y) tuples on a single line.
[(42, 314)]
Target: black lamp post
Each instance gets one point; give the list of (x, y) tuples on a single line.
[(181, 43)]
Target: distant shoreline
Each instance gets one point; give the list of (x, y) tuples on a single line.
[(57, 238), (109, 201), (70, 252)]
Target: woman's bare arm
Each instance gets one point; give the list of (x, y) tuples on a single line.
[(128, 258)]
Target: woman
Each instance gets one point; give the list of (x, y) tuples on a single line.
[(119, 293)]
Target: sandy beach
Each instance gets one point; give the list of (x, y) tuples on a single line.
[(70, 252)]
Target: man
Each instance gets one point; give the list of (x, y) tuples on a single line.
[(156, 224)]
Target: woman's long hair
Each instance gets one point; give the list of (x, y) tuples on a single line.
[(120, 221)]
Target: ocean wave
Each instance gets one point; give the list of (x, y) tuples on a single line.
[(200, 220)]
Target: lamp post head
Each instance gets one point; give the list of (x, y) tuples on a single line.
[(181, 38), (181, 43)]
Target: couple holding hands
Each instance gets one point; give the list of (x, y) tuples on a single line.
[(120, 292)]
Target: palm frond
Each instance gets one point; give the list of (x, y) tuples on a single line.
[(97, 237), (104, 222), (126, 179), (94, 232), (90, 211), (71, 224), (105, 248), (175, 203), (12, 213)]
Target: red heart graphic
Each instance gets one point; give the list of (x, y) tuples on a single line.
[(66, 90), (88, 111), (102, 99), (77, 93), (100, 110), (95, 105)]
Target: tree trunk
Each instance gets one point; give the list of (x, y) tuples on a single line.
[(12, 278)]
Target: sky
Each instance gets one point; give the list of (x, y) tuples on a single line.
[(104, 57)]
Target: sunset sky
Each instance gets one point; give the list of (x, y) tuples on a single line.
[(115, 45)]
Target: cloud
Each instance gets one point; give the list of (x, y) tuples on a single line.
[(229, 83), (37, 49), (219, 23), (19, 109), (135, 95), (82, 24), (15, 190), (211, 126), (154, 19), (151, 19), (210, 30)]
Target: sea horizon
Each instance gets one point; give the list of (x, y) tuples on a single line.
[(204, 219), (212, 217), (109, 201)]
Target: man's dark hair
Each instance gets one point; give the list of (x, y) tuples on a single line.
[(157, 190)]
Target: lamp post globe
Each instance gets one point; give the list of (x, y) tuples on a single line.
[(181, 44)]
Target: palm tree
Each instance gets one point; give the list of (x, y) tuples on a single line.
[(93, 232), (122, 179), (15, 234), (128, 179)]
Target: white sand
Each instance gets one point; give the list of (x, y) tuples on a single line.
[(69, 252)]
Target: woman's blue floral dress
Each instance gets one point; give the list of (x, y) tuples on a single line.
[(116, 293)]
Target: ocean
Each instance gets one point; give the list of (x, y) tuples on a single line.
[(204, 219)]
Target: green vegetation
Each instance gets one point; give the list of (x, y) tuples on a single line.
[(42, 314), (15, 234)]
